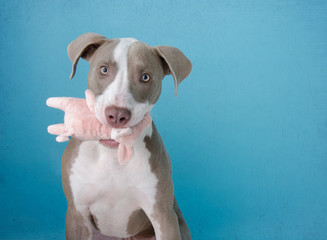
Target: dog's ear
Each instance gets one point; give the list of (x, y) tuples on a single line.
[(83, 47), (175, 63)]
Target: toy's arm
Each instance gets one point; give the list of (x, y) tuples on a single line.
[(59, 129)]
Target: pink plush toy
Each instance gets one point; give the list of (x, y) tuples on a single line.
[(81, 122)]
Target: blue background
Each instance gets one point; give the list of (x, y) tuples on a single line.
[(247, 133)]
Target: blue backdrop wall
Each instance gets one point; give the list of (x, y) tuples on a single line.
[(247, 134)]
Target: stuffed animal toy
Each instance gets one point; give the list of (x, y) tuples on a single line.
[(80, 122)]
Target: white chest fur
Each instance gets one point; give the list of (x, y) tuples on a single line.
[(109, 191)]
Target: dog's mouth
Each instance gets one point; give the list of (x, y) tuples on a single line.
[(127, 131), (109, 143)]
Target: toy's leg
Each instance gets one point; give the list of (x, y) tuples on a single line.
[(75, 227), (64, 137), (59, 129)]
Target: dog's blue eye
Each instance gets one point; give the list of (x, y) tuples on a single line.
[(145, 78), (104, 70)]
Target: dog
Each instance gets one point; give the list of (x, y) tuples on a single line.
[(106, 200)]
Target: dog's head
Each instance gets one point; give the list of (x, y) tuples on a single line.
[(126, 74)]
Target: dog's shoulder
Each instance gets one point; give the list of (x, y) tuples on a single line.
[(159, 159), (68, 158)]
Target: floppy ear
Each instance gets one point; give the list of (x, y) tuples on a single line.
[(83, 47), (177, 64)]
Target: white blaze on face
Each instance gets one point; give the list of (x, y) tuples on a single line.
[(118, 92)]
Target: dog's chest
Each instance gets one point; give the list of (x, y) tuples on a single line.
[(108, 191)]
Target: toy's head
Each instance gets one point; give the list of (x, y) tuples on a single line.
[(126, 75)]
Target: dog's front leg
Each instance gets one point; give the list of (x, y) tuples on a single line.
[(75, 228), (165, 222)]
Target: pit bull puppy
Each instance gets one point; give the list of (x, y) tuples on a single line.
[(136, 200)]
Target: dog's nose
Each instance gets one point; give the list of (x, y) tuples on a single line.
[(117, 117)]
